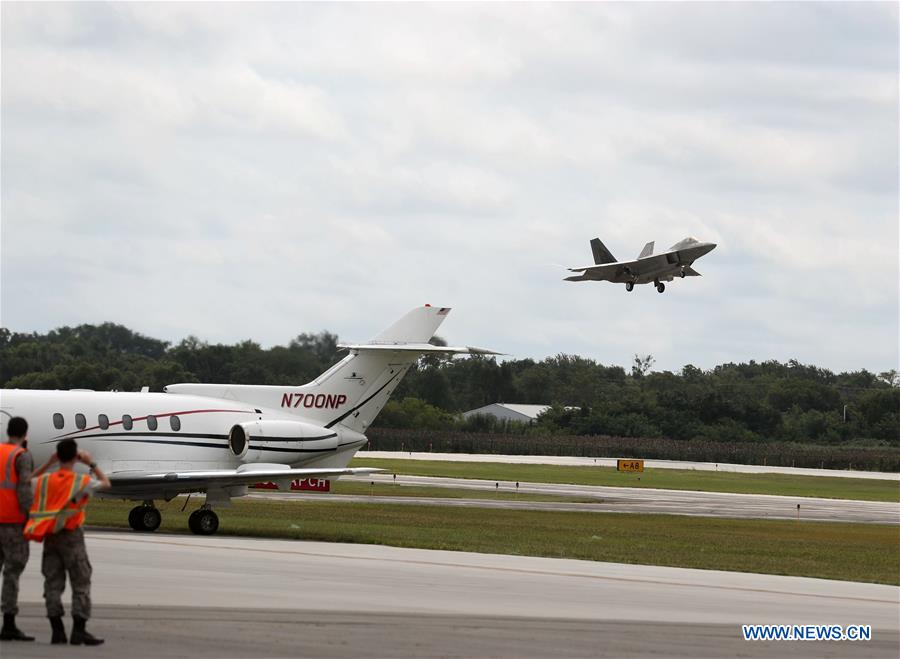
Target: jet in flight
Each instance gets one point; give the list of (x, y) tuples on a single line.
[(216, 439), (677, 261)]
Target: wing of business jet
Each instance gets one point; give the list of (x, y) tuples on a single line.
[(168, 485)]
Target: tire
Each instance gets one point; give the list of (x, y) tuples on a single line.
[(203, 522), (149, 519), (629, 286), (134, 519), (660, 287)]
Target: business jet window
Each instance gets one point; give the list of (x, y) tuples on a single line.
[(103, 421), (58, 421), (80, 421), (175, 423), (151, 422), (127, 423)]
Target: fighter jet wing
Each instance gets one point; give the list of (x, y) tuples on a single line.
[(624, 270), (606, 271), (172, 483)]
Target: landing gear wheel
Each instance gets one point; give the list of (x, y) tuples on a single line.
[(629, 286), (203, 522), (660, 287), (683, 274), (133, 519), (144, 518)]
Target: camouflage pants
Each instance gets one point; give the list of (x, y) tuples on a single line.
[(13, 557), (65, 552)]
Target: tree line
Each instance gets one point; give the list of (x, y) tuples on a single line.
[(746, 402)]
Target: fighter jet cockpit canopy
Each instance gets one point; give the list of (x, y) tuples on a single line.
[(690, 241)]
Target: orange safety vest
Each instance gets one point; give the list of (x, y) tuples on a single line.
[(59, 501), (10, 513)]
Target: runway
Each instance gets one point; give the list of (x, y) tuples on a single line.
[(186, 596), (574, 461), (628, 500)]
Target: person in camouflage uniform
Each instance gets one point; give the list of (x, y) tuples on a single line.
[(15, 501), (56, 519)]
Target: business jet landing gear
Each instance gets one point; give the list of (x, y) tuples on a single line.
[(660, 286), (145, 517), (629, 286), (203, 521)]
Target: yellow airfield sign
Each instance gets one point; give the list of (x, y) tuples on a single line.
[(629, 465)]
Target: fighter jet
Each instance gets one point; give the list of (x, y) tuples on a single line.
[(648, 267)]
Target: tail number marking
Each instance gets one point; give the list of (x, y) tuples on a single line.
[(329, 401)]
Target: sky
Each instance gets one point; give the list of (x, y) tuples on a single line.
[(254, 171)]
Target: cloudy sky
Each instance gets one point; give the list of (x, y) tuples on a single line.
[(256, 171)]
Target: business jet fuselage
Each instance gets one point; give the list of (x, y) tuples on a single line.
[(219, 438), (129, 432)]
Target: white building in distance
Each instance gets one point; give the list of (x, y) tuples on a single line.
[(509, 412)]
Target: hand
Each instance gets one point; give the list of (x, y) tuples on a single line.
[(53, 459), (85, 457)]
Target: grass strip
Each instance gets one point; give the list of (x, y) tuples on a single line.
[(826, 487), (853, 552)]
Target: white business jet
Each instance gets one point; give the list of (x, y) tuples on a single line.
[(219, 438)]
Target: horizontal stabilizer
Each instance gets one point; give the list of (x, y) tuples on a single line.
[(690, 272), (601, 254), (423, 348), (648, 250)]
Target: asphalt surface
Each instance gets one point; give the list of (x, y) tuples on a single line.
[(573, 461), (187, 596), (623, 500)]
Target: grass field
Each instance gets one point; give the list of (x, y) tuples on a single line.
[(670, 479), (855, 552)]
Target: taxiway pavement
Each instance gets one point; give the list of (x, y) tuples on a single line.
[(185, 596), (627, 500), (574, 461)]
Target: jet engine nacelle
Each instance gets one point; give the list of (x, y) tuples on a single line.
[(274, 434)]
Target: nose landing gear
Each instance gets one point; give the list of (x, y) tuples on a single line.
[(629, 286), (660, 287)]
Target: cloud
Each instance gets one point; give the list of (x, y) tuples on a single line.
[(257, 170)]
